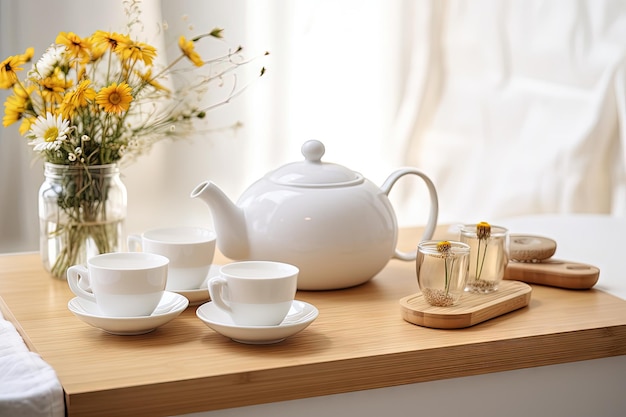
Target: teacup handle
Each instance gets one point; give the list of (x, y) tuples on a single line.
[(76, 273), (134, 243), (429, 230), (217, 286)]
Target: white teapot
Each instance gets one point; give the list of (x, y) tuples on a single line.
[(336, 226)]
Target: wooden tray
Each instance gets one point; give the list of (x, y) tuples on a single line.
[(472, 308), (555, 273)]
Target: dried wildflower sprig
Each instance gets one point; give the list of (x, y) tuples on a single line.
[(483, 233), (444, 248)]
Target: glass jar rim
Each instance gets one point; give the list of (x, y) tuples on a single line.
[(496, 231), (52, 170), (456, 247), (66, 166)]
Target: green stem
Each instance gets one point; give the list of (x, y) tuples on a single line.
[(448, 275), (482, 264), (445, 267), (82, 226), (477, 257)]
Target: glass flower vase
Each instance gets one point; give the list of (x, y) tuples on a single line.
[(82, 210)]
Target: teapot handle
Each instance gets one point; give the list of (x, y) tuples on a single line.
[(434, 207)]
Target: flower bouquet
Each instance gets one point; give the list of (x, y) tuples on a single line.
[(91, 102)]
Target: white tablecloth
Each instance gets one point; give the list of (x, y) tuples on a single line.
[(29, 387)]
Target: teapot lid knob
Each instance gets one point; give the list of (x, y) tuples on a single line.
[(313, 150), (312, 172)]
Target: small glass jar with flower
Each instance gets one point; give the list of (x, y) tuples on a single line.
[(489, 256), (442, 271)]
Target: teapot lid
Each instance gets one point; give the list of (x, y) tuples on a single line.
[(312, 172)]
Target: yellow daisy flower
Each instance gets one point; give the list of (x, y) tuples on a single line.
[(83, 94), (8, 69), (76, 46), (108, 40), (96, 52), (99, 44), (52, 88), (187, 47), (27, 55), (27, 123), (136, 51), (11, 65), (115, 98), (16, 105), (80, 97), (148, 78), (13, 111)]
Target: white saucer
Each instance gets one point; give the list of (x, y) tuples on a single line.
[(299, 317), (171, 306), (200, 295)]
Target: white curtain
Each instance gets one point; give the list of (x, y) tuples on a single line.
[(512, 107), (520, 107)]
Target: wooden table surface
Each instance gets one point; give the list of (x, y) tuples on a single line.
[(359, 341)]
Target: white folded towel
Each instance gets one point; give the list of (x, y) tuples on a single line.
[(29, 387)]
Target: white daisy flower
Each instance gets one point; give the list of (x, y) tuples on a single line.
[(48, 133), (53, 57)]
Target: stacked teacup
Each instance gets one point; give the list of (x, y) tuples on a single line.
[(133, 284), (190, 251)]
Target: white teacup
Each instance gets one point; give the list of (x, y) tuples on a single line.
[(189, 249), (255, 293), (122, 284)]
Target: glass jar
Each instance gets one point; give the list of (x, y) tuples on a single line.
[(442, 271), (489, 247), (82, 210)]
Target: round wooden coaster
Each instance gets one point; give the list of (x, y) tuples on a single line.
[(530, 248)]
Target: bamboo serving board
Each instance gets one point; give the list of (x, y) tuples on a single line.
[(555, 273), (472, 308)]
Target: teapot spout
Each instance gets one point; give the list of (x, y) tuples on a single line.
[(228, 219)]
